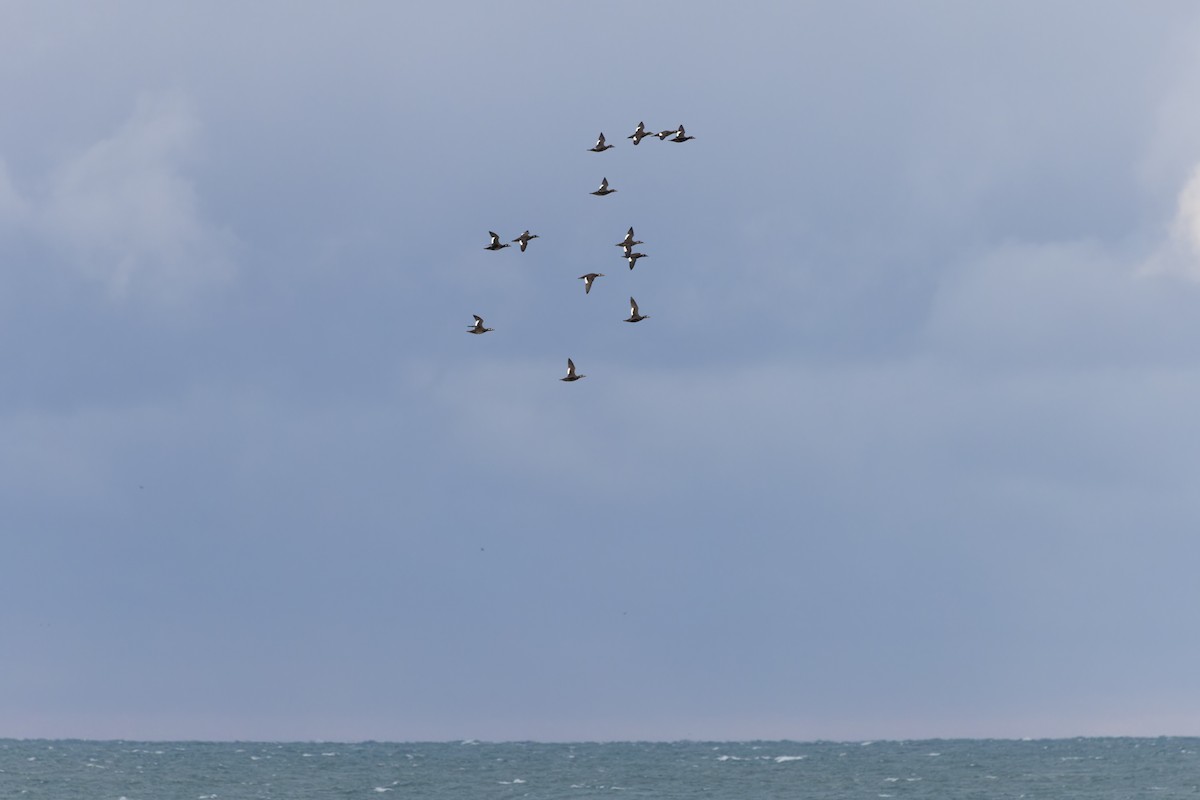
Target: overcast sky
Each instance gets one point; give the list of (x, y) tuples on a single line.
[(909, 446)]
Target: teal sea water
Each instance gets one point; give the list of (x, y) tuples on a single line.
[(1097, 769)]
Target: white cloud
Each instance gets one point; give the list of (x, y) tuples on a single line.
[(1187, 222), (1180, 254), (123, 213), (1186, 229)]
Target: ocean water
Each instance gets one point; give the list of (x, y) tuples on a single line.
[(946, 769)]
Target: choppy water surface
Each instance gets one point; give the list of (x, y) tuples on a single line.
[(1069, 768)]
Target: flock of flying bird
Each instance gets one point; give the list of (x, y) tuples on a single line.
[(627, 244)]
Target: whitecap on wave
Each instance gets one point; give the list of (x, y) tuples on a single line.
[(783, 759)]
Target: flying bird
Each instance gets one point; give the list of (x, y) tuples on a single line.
[(478, 328), (664, 134), (603, 190), (524, 239), (496, 244), (628, 241), (680, 136), (639, 134), (633, 257), (589, 279), (600, 145), (634, 316), (571, 376)]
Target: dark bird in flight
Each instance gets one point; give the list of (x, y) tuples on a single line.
[(603, 190), (628, 241), (524, 239), (680, 136), (600, 145), (589, 279), (634, 316), (639, 134), (664, 134), (496, 244), (571, 376), (478, 327), (633, 257)]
